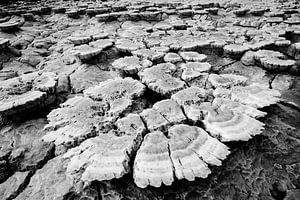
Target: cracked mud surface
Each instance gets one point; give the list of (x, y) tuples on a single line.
[(150, 100)]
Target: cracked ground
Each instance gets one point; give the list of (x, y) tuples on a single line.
[(152, 99)]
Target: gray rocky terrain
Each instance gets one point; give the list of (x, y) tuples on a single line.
[(170, 99)]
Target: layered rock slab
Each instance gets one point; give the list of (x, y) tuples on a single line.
[(12, 186), (26, 93), (101, 158), (118, 94), (77, 119)]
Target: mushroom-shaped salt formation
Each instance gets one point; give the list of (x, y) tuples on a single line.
[(273, 60), (118, 93), (192, 70), (28, 92), (191, 149), (77, 119), (85, 52), (153, 165), (130, 65), (159, 79), (190, 99), (235, 51), (101, 158), (128, 46), (193, 56), (149, 54), (228, 125), (172, 57), (102, 44), (80, 38), (239, 107), (226, 80), (255, 95)]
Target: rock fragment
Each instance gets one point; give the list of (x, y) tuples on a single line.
[(49, 182), (12, 186)]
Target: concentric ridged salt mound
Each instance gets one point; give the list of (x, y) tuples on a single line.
[(226, 80), (191, 99), (28, 92), (118, 93), (159, 79), (77, 119), (227, 125), (239, 107), (273, 60), (192, 149), (101, 158), (255, 95), (130, 65), (153, 165)]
